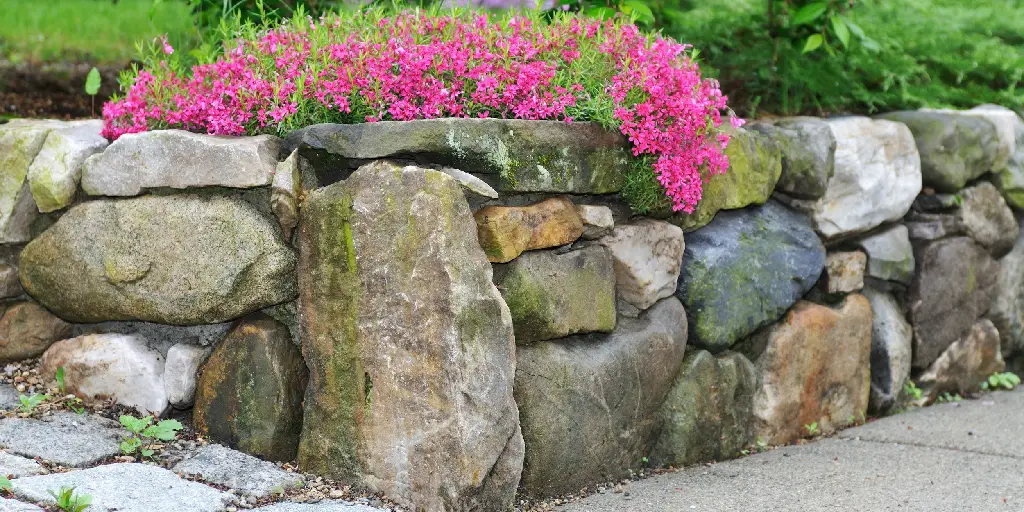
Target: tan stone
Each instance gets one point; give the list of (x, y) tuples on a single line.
[(505, 232), (844, 271), (27, 330), (963, 366), (813, 367)]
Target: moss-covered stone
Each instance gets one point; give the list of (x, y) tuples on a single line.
[(56, 170), (554, 295), (755, 164), (249, 392), (19, 145), (808, 154)]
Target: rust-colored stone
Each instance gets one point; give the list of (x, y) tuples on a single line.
[(27, 330), (505, 232)]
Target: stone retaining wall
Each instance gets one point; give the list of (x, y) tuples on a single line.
[(453, 311)]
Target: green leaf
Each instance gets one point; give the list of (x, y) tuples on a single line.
[(602, 13), (92, 82), (128, 446), (166, 430), (60, 379), (146, 452), (809, 13), (5, 483), (135, 425), (842, 32), (855, 28), (637, 11), (813, 43), (871, 45)]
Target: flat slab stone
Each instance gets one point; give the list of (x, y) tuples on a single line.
[(7, 505), (127, 488), (223, 466), (323, 506), (64, 438), (13, 466)]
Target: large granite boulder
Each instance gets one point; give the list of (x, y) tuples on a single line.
[(808, 154), (27, 330), (19, 145), (744, 270), (877, 176), (55, 172), (890, 255), (813, 367), (512, 155), (589, 404), (648, 255), (137, 162), (891, 344), (552, 295), (180, 259), (409, 344), (1007, 311), (755, 164), (965, 364), (708, 413), (505, 232), (954, 285), (954, 148), (249, 392)]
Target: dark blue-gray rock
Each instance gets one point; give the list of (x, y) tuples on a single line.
[(891, 341), (589, 403), (744, 270), (808, 154)]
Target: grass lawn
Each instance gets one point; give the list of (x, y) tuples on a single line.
[(99, 31)]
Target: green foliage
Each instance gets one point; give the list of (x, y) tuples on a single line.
[(947, 398), (92, 82), (812, 429), (5, 483), (1005, 380), (911, 390), (29, 403), (143, 429), (641, 189), (69, 502), (60, 373)]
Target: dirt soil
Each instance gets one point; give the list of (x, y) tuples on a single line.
[(54, 91)]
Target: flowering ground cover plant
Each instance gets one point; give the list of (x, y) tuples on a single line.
[(372, 65)]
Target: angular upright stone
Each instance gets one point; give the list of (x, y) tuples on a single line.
[(177, 259), (180, 371), (589, 404), (249, 392), (648, 255), (137, 162), (808, 154), (554, 295), (891, 342), (19, 145), (55, 172), (890, 256), (409, 344), (965, 364), (285, 194), (505, 232)]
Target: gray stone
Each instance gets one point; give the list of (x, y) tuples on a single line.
[(708, 413), (137, 162), (1007, 312), (409, 345), (180, 369), (285, 194), (744, 270), (965, 364), (953, 287), (512, 155), (179, 259), (890, 256), (9, 397), (588, 404), (936, 203), (19, 145), (127, 488), (552, 295), (597, 221), (470, 182), (10, 285), (808, 154), (844, 271), (891, 342), (987, 218), (7, 505), (323, 506), (218, 465), (110, 365), (648, 255), (64, 438), (1010, 179), (13, 466), (954, 148), (934, 226), (55, 172), (877, 176)]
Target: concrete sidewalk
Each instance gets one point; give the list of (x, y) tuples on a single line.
[(965, 456)]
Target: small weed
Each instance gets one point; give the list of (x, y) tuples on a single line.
[(92, 86), (744, 452), (812, 429), (143, 429), (29, 403), (948, 398), (762, 444), (911, 390), (996, 381), (60, 381), (69, 502), (5, 484)]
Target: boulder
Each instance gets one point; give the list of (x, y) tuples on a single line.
[(55, 172), (180, 369), (552, 295), (844, 271), (589, 404), (597, 220), (409, 344), (965, 364), (505, 232), (987, 219), (707, 414), (110, 365), (137, 162), (19, 145), (1010, 179), (891, 342), (744, 270), (647, 257), (513, 155), (954, 285), (755, 163), (877, 176), (27, 330), (179, 259), (890, 256), (813, 367), (1007, 311), (954, 148), (249, 392), (808, 154)]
